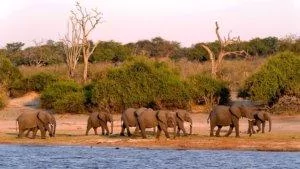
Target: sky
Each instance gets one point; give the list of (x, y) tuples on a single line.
[(185, 21)]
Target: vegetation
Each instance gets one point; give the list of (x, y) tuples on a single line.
[(63, 96), (207, 89), (140, 82), (3, 98), (279, 76)]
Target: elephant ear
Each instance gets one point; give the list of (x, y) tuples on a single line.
[(161, 116), (43, 117), (236, 111), (101, 116), (180, 115), (260, 116)]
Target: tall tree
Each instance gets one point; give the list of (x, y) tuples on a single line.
[(72, 46), (14, 47), (87, 22), (216, 62)]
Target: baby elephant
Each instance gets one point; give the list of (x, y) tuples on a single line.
[(34, 121), (260, 119), (99, 119)]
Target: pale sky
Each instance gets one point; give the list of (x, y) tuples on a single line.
[(185, 21)]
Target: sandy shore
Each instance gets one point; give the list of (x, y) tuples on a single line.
[(285, 134)]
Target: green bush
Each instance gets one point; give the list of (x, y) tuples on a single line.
[(140, 82), (3, 98), (205, 88), (279, 76), (63, 96), (8, 72), (36, 82)]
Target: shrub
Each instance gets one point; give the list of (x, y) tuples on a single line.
[(3, 98), (204, 87), (63, 96), (36, 82), (279, 76), (140, 82), (8, 72)]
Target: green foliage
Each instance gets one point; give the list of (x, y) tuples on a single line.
[(63, 96), (8, 72), (36, 82), (110, 51), (204, 87), (3, 98), (279, 76), (137, 83)]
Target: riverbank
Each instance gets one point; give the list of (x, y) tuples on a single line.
[(285, 134)]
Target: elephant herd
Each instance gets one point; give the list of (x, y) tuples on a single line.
[(145, 118)]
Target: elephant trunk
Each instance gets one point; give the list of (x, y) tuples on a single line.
[(270, 124), (112, 127), (54, 129)]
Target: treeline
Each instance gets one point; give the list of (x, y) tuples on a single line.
[(52, 52)]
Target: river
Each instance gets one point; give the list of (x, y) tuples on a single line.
[(27, 157)]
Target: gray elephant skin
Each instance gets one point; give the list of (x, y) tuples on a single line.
[(128, 119), (100, 119), (181, 117), (228, 116), (260, 122), (150, 119), (34, 121)]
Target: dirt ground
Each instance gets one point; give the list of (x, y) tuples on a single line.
[(285, 134)]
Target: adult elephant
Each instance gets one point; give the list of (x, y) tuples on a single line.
[(151, 119), (128, 119), (181, 117), (100, 119), (228, 116), (260, 119), (166, 119), (34, 121)]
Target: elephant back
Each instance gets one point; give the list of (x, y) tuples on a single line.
[(27, 120)]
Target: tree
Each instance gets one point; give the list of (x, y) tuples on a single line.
[(87, 22), (216, 62), (72, 46), (15, 46)]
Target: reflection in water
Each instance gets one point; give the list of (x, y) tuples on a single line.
[(18, 156)]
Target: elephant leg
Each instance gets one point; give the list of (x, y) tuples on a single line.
[(21, 131), (229, 131), (218, 131), (28, 131), (95, 130), (143, 131), (211, 133), (178, 131), (88, 128), (237, 129), (106, 129), (263, 126), (43, 133), (181, 126), (122, 130), (259, 126), (165, 129), (34, 131), (158, 132), (154, 130)]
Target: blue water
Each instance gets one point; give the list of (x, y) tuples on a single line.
[(20, 156)]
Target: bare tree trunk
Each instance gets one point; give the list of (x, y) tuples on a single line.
[(87, 21), (217, 62)]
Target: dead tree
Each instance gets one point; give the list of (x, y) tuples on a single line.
[(72, 46), (216, 62), (87, 22)]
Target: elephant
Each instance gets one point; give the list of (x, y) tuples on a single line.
[(167, 119), (229, 116), (99, 119), (52, 124), (128, 119), (34, 121), (181, 117), (260, 118), (150, 119)]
